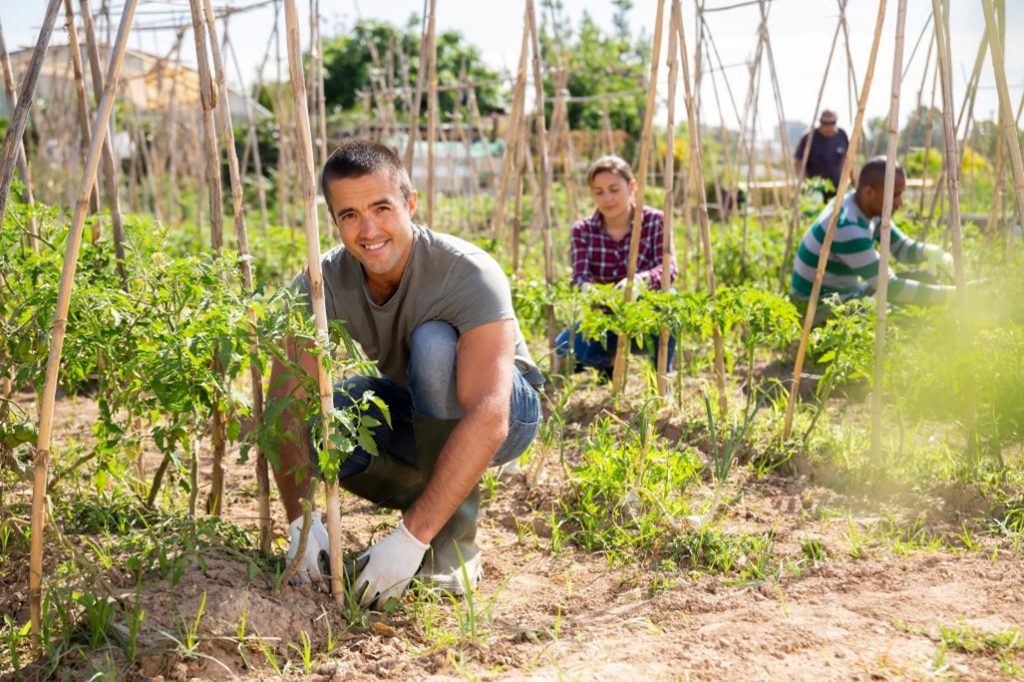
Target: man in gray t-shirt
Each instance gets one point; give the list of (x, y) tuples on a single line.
[(435, 314)]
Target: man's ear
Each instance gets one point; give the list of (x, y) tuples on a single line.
[(412, 202)]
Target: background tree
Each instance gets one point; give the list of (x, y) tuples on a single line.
[(349, 67)]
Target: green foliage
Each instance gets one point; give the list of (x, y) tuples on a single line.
[(626, 497), (351, 68), (599, 63)]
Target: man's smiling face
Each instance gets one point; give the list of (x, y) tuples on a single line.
[(375, 222)]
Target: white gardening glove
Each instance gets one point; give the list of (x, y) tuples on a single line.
[(388, 566), (938, 261), (638, 282), (317, 542)]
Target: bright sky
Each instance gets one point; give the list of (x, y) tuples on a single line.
[(800, 31)]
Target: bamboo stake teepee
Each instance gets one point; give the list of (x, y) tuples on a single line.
[(702, 206), (622, 348), (669, 180), (46, 402), (241, 236), (109, 167), (208, 100), (308, 188), (23, 168), (885, 240), (545, 168), (844, 181), (952, 172), (19, 117), (1009, 127)]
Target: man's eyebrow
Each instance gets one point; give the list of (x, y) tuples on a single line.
[(386, 201)]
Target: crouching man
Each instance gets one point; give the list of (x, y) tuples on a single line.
[(435, 314)]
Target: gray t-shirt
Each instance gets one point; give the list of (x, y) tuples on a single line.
[(445, 279)]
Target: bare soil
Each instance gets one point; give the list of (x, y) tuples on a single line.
[(868, 611)]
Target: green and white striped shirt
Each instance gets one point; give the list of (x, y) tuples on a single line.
[(852, 267)]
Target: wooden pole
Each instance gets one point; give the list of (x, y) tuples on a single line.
[(19, 117), (208, 100), (431, 52), (242, 237), (882, 293), (1005, 108), (22, 160), (669, 180), (622, 348), (844, 181), (518, 104), (109, 170), (414, 111), (794, 208), (46, 402), (702, 206), (952, 171), (316, 282), (545, 170), (261, 194), (80, 101)]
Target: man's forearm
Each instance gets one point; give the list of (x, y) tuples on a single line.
[(461, 464), (292, 474)]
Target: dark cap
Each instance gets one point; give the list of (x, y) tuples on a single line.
[(827, 117)]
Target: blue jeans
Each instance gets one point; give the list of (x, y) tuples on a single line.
[(600, 354), (432, 393)]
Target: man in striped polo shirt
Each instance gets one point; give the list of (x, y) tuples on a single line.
[(852, 267)]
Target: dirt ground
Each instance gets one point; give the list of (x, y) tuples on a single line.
[(570, 615)]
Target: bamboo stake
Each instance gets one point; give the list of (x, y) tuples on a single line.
[(518, 104), (241, 236), (208, 99), (109, 169), (929, 119), (545, 171), (794, 208), (882, 293), (46, 402), (1005, 111), (669, 180), (414, 111), (952, 162), (776, 94), (80, 101), (431, 52), (22, 160), (261, 193), (518, 159), (308, 180), (844, 181), (702, 206), (19, 117), (622, 347)]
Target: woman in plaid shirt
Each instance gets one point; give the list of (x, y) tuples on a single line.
[(600, 252)]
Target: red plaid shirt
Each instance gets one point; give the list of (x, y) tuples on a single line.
[(599, 259)]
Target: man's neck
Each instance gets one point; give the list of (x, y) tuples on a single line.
[(858, 199)]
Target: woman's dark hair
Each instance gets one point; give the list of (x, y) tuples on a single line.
[(610, 164)]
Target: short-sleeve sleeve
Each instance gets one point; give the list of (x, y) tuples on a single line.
[(478, 293)]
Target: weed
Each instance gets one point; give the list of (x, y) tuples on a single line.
[(306, 651), (812, 550)]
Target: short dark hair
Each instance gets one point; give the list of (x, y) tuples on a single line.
[(358, 158), (872, 173)]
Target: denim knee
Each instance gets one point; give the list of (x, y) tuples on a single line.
[(431, 370)]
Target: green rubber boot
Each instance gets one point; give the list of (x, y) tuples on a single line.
[(442, 567), (454, 562), (386, 481)]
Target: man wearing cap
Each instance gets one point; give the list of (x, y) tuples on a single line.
[(828, 150)]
